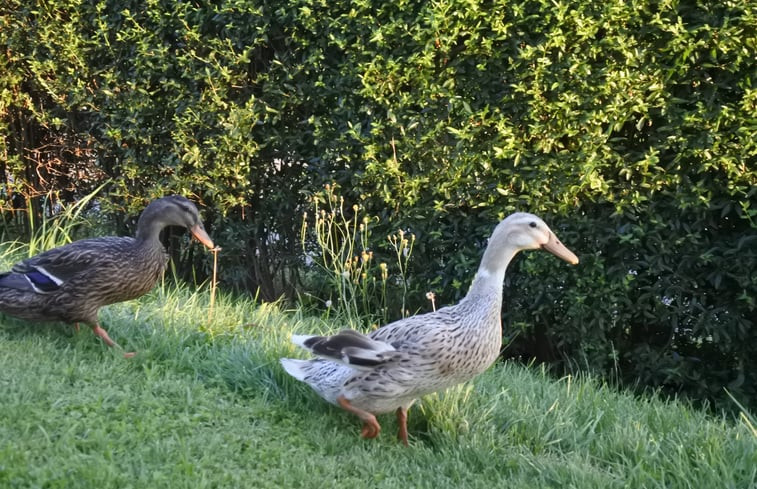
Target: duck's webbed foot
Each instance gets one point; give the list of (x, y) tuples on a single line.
[(371, 427), (104, 335)]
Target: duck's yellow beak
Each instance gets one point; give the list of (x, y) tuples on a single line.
[(558, 249), (199, 232)]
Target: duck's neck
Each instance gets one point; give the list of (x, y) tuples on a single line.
[(148, 232), (491, 272), (490, 279)]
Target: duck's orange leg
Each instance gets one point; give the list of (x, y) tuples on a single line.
[(371, 428), (402, 422), (104, 335)]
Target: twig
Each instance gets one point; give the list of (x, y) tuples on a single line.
[(214, 282)]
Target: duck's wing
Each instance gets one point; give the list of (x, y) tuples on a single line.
[(49, 270), (351, 348), (419, 330), (19, 281)]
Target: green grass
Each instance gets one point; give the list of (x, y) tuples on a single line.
[(205, 404)]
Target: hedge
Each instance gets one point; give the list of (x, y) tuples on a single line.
[(629, 126)]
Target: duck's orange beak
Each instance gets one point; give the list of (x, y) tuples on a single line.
[(199, 232), (558, 249)]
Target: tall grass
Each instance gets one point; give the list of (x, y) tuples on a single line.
[(745, 416), (53, 230)]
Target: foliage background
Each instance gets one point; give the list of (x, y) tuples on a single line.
[(629, 126)]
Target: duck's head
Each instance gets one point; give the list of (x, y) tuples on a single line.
[(517, 232), (526, 231), (173, 210)]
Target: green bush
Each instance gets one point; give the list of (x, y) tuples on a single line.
[(630, 127)]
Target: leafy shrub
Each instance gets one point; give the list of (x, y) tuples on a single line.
[(630, 127)]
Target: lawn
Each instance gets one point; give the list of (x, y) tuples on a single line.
[(205, 404)]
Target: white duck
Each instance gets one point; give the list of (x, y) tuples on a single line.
[(388, 369)]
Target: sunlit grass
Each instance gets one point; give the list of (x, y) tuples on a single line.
[(205, 404)]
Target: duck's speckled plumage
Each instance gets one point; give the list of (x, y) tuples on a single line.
[(72, 282), (434, 351)]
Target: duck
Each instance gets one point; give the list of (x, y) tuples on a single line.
[(390, 368), (72, 282)]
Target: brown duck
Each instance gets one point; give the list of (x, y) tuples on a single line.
[(72, 282)]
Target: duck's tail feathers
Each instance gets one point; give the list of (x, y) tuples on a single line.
[(301, 339), (362, 359), (350, 348), (295, 368)]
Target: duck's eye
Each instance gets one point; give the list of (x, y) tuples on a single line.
[(532, 224)]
